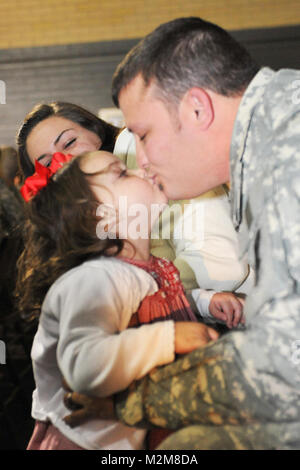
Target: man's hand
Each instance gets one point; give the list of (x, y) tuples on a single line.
[(192, 335), (84, 407), (227, 307), (188, 336)]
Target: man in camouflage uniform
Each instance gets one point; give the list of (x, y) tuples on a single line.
[(242, 391)]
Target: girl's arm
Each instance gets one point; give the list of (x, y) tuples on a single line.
[(96, 353)]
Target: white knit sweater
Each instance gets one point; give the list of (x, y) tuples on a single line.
[(82, 336)]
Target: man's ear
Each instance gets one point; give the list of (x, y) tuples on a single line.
[(199, 107)]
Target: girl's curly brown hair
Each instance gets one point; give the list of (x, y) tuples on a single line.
[(60, 233)]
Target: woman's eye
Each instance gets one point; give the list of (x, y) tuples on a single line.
[(68, 144)]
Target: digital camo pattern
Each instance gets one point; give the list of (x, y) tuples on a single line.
[(243, 391)]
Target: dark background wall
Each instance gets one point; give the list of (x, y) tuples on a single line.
[(81, 73)]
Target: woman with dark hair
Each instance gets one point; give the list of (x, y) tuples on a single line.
[(61, 127)]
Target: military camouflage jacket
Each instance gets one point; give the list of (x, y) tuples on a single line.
[(248, 378)]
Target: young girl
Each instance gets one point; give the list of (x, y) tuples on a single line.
[(90, 290)]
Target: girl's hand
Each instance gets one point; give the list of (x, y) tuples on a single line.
[(192, 335), (226, 307)]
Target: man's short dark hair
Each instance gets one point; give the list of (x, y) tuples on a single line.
[(186, 53)]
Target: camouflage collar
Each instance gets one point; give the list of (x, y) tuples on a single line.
[(239, 162)]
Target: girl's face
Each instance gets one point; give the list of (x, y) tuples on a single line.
[(57, 134), (134, 196)]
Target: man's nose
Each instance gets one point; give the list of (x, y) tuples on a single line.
[(141, 157)]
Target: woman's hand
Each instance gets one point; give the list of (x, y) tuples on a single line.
[(226, 307), (192, 335)]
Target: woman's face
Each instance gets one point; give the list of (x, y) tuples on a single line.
[(58, 134)]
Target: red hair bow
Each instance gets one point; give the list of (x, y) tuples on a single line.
[(33, 184)]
